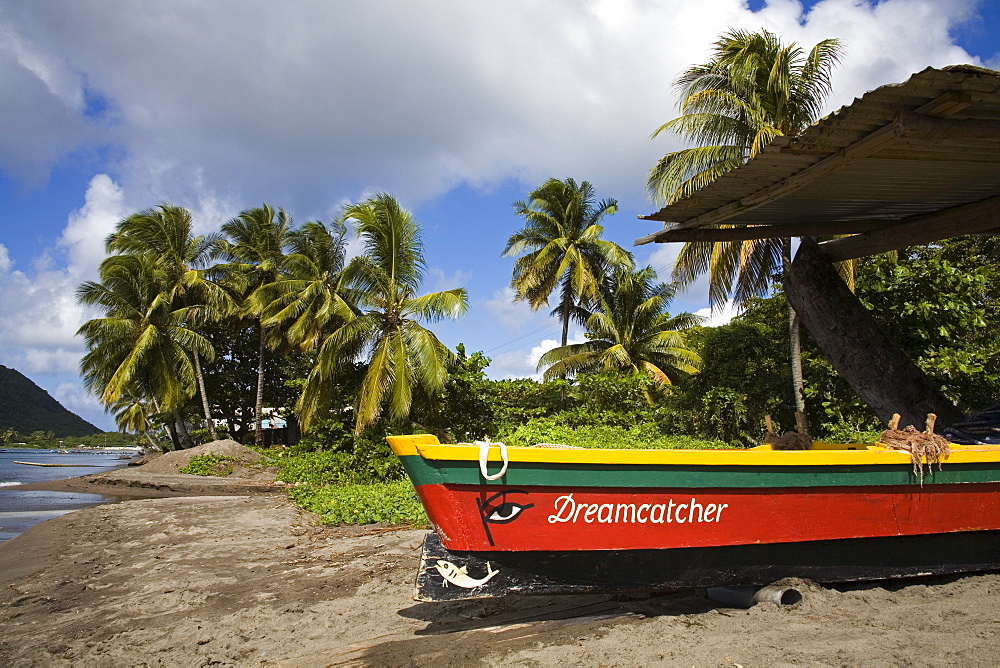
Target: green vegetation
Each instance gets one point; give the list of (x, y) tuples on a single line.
[(391, 503), (561, 247), (27, 408), (630, 332), (217, 465)]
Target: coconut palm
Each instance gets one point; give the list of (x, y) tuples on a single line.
[(403, 357), (561, 246), (166, 234), (254, 250), (310, 295), (753, 89), (630, 332), (140, 348), (132, 414)]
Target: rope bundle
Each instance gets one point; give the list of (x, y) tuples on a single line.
[(922, 445)]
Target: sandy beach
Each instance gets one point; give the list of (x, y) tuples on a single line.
[(217, 571)]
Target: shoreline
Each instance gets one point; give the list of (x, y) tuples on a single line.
[(137, 484), (192, 574)]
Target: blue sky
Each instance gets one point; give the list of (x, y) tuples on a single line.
[(457, 108)]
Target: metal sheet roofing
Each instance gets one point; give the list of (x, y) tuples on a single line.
[(901, 150)]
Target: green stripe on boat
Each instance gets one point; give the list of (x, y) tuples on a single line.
[(430, 472)]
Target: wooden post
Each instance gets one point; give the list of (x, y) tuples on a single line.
[(856, 346)]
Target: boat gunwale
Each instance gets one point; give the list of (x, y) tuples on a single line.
[(428, 447)]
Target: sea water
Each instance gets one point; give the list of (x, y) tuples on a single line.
[(20, 509)]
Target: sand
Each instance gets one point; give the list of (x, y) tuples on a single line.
[(249, 579)]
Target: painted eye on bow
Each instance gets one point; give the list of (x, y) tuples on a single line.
[(506, 512)]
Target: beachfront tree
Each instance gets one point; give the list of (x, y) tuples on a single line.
[(254, 248), (141, 348), (403, 357), (560, 246), (630, 332), (309, 297), (753, 88), (165, 233)]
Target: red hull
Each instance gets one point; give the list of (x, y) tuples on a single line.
[(475, 518)]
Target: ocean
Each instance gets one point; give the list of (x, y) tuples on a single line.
[(20, 510)]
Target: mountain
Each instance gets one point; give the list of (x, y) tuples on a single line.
[(25, 407)]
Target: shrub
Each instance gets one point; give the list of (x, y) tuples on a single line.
[(218, 465), (392, 503), (644, 435)]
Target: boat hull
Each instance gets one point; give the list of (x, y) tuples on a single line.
[(487, 519), (586, 572), (546, 521)]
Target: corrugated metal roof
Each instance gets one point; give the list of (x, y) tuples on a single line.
[(863, 162)]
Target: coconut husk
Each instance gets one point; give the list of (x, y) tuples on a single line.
[(791, 440), (925, 447)]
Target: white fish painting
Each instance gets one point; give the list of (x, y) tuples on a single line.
[(460, 576)]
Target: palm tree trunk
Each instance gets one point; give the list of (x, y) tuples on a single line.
[(566, 304), (155, 444), (175, 442), (186, 439), (204, 396), (794, 334), (259, 406)]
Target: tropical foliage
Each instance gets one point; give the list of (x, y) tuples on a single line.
[(561, 247), (630, 332), (278, 317), (404, 358), (754, 88)]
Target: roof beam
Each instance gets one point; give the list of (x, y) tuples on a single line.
[(978, 217), (925, 127), (744, 233), (862, 148)]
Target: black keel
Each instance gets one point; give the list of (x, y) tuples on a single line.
[(445, 575)]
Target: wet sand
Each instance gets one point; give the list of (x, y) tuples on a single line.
[(249, 579)]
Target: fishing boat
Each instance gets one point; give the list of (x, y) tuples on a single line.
[(563, 520)]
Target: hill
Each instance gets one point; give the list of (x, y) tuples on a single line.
[(25, 407)]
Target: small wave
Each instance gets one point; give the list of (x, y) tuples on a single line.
[(4, 483)]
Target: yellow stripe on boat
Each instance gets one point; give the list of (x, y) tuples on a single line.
[(821, 454)]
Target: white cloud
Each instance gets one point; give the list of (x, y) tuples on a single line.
[(511, 315), (74, 398), (440, 281), (39, 314), (521, 364), (720, 315), (5, 262), (88, 227)]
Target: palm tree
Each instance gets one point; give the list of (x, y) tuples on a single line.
[(630, 332), (561, 246), (140, 348), (254, 249), (403, 357), (753, 89), (166, 234), (310, 295), (132, 414)]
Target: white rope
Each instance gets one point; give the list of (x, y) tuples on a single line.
[(484, 451)]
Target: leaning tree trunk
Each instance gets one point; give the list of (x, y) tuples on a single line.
[(794, 337), (857, 347), (204, 396)]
